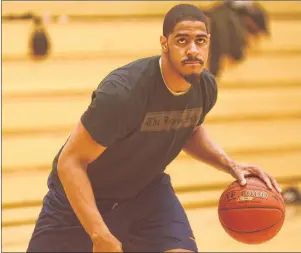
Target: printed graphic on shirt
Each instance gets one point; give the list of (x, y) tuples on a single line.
[(171, 120)]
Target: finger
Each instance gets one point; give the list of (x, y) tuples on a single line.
[(247, 172), (265, 178), (241, 178), (276, 185)]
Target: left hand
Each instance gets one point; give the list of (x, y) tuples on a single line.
[(239, 171)]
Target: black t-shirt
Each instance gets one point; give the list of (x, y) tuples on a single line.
[(142, 124)]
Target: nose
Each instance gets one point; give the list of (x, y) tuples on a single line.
[(192, 50)]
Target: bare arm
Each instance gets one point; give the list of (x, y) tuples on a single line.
[(79, 151), (201, 147)]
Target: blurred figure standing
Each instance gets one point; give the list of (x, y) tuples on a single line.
[(39, 44), (234, 25)]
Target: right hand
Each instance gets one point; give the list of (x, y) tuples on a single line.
[(107, 243)]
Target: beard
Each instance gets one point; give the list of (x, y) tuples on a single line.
[(191, 78)]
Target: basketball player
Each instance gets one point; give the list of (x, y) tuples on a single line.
[(108, 190)]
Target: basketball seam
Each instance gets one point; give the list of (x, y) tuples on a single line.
[(245, 232), (251, 207)]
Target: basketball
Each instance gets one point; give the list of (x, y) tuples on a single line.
[(252, 213)]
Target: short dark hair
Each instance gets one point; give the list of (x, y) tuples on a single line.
[(182, 12)]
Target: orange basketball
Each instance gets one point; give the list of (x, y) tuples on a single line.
[(251, 214)]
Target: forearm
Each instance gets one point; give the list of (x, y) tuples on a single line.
[(79, 192), (201, 147)]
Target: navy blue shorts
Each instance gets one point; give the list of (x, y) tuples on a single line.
[(154, 221)]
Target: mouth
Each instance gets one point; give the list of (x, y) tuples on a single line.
[(193, 63)]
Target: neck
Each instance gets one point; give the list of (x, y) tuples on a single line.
[(173, 80)]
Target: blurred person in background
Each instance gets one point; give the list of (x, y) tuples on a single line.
[(39, 43), (253, 16), (107, 190), (233, 26)]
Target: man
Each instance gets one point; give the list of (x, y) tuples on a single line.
[(39, 42), (108, 190)]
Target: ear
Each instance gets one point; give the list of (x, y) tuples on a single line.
[(163, 42)]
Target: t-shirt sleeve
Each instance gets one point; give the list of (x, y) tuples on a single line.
[(107, 117), (211, 92)]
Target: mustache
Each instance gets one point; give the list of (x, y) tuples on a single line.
[(193, 59)]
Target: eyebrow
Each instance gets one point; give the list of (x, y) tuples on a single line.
[(186, 35)]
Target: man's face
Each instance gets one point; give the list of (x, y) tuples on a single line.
[(188, 47)]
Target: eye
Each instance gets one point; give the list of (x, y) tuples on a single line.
[(181, 41), (202, 41)]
